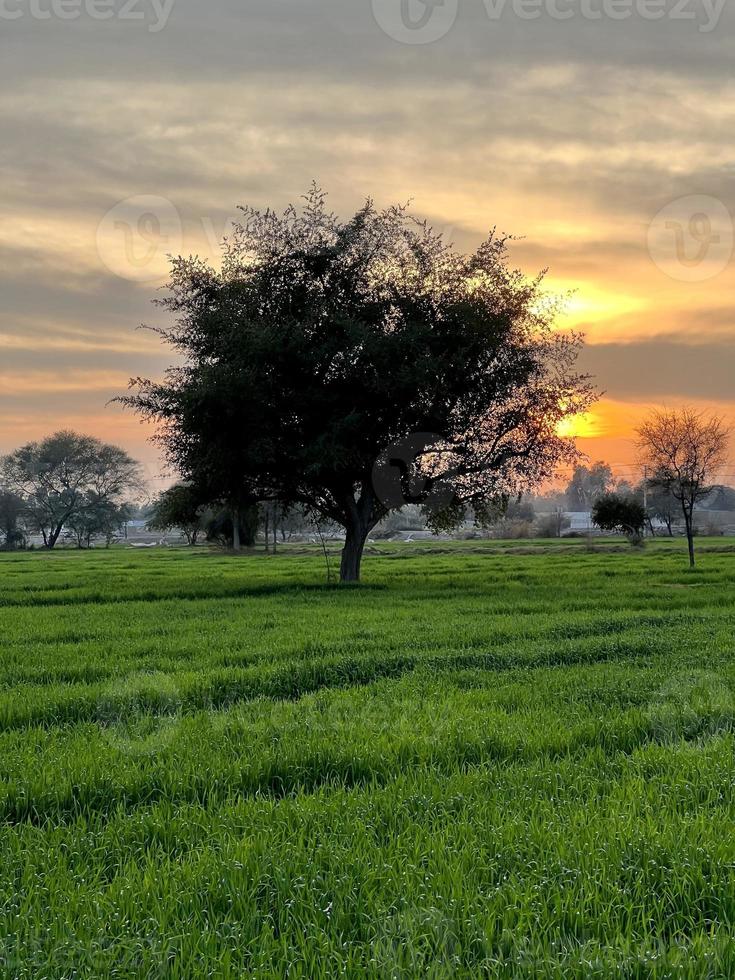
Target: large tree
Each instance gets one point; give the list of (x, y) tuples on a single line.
[(66, 476), (356, 366), (685, 449)]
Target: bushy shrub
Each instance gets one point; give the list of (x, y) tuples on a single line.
[(615, 513)]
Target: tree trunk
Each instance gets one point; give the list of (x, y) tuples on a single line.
[(361, 516), (235, 529), (689, 523), (349, 569)]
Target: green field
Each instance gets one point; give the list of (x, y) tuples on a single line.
[(488, 760)]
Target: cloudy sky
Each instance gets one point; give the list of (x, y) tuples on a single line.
[(599, 131)]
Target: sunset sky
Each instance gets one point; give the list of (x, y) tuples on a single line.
[(606, 143)]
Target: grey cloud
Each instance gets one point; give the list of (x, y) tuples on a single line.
[(57, 362), (662, 369), (331, 37)]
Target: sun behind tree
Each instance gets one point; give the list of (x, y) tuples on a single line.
[(355, 366)]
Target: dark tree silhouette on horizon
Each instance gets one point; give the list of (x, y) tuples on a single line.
[(325, 351)]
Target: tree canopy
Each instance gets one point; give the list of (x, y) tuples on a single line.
[(356, 366), (68, 478)]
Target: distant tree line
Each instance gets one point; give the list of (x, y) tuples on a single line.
[(76, 488), (628, 507), (180, 508)]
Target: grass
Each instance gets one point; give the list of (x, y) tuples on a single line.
[(492, 759)]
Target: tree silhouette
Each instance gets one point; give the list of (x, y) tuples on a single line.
[(356, 366)]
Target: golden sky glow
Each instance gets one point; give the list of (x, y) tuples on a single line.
[(606, 147), (588, 426)]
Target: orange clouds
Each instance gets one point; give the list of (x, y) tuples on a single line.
[(575, 155)]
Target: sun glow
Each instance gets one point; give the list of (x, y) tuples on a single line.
[(585, 305), (584, 426)]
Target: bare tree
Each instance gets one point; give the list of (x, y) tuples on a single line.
[(685, 449), (551, 525)]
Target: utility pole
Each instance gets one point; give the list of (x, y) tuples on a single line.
[(645, 495)]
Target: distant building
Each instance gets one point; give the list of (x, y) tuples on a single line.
[(579, 520)]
